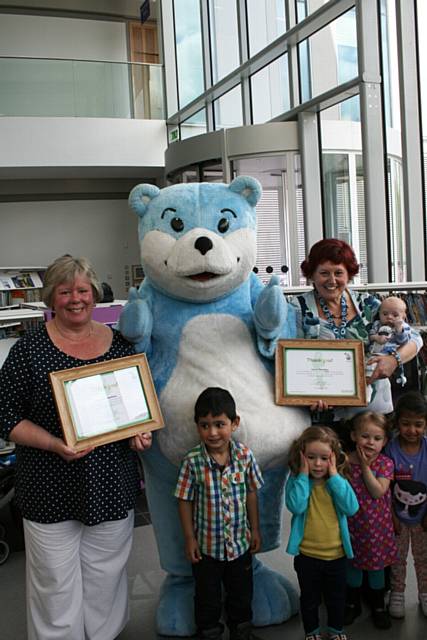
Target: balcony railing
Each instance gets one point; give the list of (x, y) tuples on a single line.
[(80, 88)]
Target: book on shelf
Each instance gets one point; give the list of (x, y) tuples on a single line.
[(9, 330), (16, 328), (4, 299), (19, 286), (19, 279), (33, 295), (17, 297)]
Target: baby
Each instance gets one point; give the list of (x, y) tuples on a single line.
[(390, 331)]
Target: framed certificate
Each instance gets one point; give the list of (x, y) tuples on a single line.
[(105, 402), (329, 370)]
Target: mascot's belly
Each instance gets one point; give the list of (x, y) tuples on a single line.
[(218, 350)]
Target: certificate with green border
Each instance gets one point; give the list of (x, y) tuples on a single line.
[(328, 370), (106, 401)]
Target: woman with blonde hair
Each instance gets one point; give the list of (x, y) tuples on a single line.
[(78, 507)]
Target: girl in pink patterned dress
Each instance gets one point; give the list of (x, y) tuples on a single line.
[(371, 528)]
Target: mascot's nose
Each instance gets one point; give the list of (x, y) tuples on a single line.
[(203, 244)]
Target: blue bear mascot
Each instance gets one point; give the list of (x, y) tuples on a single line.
[(204, 319)]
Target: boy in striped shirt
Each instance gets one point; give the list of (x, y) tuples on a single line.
[(217, 493)]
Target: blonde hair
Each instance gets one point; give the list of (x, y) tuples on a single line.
[(361, 419), (65, 269), (318, 434), (396, 300)]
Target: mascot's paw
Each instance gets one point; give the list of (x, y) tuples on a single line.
[(275, 599), (175, 613), (270, 308), (136, 321)]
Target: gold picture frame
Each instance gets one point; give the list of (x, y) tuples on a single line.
[(107, 401), (328, 370)]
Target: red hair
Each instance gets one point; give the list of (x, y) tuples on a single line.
[(336, 251)]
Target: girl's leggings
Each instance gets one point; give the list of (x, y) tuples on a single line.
[(355, 577), (417, 537)]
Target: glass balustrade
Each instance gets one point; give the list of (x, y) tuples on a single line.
[(80, 88)]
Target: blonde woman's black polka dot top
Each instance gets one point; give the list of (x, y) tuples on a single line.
[(99, 487)]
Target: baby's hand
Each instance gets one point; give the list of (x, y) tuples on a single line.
[(303, 463), (332, 464), (398, 326)]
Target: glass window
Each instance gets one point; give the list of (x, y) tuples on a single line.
[(270, 91), (147, 90), (389, 63), (195, 125), (39, 87), (305, 7), (329, 57), (273, 224), (396, 220), (228, 109), (270, 211), (224, 37), (361, 221), (266, 22), (212, 172), (343, 182), (422, 50), (189, 174), (393, 140), (189, 56), (301, 6), (299, 207), (347, 69), (336, 196)]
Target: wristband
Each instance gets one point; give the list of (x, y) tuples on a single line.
[(397, 355)]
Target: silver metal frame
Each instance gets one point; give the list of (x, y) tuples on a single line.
[(412, 157), (368, 85)]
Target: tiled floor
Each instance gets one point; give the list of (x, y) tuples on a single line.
[(145, 578), (142, 515)]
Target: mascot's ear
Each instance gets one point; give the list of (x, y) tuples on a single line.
[(248, 188), (140, 197)]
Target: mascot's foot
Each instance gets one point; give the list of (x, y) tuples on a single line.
[(175, 613), (275, 599)]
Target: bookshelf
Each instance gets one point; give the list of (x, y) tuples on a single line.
[(19, 286), (106, 312), (15, 321)]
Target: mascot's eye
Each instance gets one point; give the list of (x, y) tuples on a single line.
[(177, 224), (223, 225)]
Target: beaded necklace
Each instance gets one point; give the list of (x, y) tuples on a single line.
[(339, 332)]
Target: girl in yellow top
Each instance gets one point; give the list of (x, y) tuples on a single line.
[(320, 499)]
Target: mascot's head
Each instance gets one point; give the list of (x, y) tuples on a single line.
[(198, 240)]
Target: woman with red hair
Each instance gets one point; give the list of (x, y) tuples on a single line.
[(331, 311)]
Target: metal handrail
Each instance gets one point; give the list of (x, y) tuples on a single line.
[(126, 62)]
